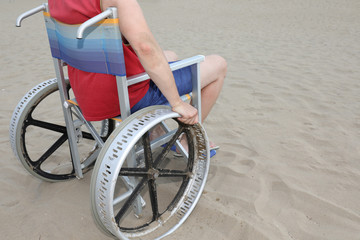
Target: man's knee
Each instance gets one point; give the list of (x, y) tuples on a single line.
[(218, 62), (222, 65)]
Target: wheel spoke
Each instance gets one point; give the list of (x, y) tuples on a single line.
[(187, 174), (166, 150), (51, 150), (147, 151), (173, 173), (130, 200), (151, 177), (87, 135), (134, 172), (153, 199), (179, 194), (45, 125), (53, 127)]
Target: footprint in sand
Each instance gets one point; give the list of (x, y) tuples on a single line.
[(239, 158), (11, 203), (274, 196)]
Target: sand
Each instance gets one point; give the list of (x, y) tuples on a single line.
[(287, 121)]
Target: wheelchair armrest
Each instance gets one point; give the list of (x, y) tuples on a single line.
[(110, 12), (173, 66), (31, 12)]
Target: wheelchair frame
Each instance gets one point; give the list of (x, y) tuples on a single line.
[(121, 145)]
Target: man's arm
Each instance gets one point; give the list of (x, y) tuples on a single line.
[(135, 29)]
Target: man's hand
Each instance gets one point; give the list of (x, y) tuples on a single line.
[(189, 114)]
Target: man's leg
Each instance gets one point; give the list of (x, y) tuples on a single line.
[(212, 74)]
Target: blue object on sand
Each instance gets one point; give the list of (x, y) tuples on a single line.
[(212, 153)]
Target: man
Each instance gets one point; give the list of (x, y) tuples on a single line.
[(143, 49)]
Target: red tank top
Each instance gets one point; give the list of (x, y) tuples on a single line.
[(96, 93)]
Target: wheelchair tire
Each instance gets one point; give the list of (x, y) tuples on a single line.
[(38, 134), (169, 186)]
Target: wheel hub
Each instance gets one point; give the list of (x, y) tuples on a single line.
[(153, 173)]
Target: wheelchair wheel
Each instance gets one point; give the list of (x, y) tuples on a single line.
[(136, 163), (39, 139)]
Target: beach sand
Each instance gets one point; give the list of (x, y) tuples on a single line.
[(287, 121)]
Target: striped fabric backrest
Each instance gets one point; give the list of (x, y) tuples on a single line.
[(100, 50)]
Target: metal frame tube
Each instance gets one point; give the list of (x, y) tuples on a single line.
[(123, 94), (31, 12), (68, 118), (196, 92)]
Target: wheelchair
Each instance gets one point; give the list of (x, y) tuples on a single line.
[(139, 189)]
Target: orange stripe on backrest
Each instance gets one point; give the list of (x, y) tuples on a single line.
[(109, 21), (105, 21)]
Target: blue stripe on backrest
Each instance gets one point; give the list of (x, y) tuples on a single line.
[(100, 50)]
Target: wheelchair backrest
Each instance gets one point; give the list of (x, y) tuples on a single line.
[(99, 51)]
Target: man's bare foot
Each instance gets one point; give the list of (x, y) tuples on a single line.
[(213, 146), (184, 144), (156, 132)]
